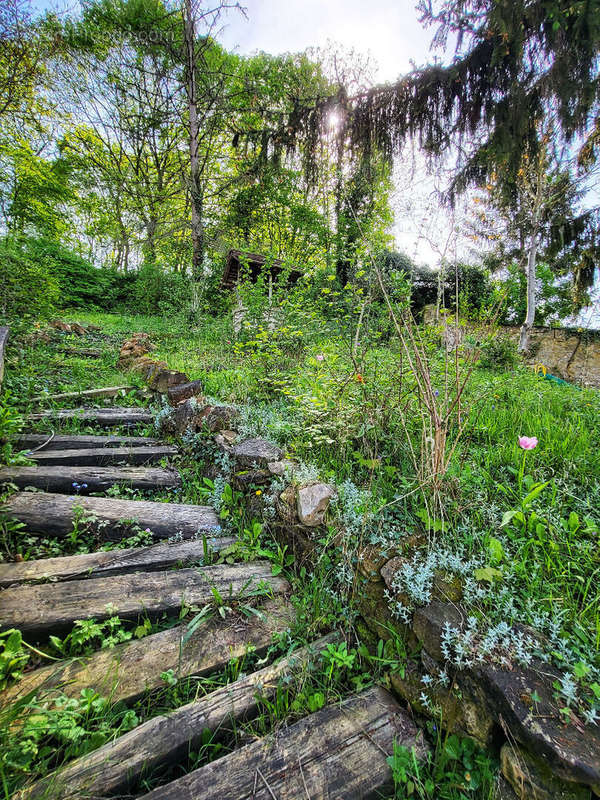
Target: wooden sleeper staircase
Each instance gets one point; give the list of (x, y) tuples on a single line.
[(338, 752)]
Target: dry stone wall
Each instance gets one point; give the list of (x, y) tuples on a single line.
[(572, 354)]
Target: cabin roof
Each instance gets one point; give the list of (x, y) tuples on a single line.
[(255, 262)]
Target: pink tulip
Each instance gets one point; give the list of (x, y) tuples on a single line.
[(528, 442)]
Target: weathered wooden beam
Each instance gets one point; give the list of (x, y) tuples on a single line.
[(338, 752), (30, 441), (105, 456), (54, 514), (111, 562), (97, 416), (128, 670), (107, 391), (118, 765), (89, 479), (4, 331), (47, 608)]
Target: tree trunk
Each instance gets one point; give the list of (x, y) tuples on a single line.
[(531, 281), (189, 29)]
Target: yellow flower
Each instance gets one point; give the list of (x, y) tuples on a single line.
[(258, 492)]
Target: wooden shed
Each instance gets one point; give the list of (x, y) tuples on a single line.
[(237, 260)]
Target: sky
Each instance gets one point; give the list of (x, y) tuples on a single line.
[(388, 30)]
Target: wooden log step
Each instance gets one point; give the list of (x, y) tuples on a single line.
[(104, 456), (49, 607), (96, 416), (89, 479), (30, 441), (107, 391), (338, 752), (128, 670), (119, 765), (53, 515), (111, 562)]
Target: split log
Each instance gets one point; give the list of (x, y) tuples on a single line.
[(105, 456), (100, 416), (108, 391), (54, 607), (128, 670), (111, 562), (96, 416), (118, 765), (176, 394), (30, 441), (4, 331), (89, 479), (53, 515), (339, 752)]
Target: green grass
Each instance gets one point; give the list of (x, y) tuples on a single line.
[(352, 419)]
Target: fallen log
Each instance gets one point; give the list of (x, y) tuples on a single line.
[(118, 765), (105, 456), (89, 479), (128, 670), (338, 752), (40, 610), (54, 514), (111, 562), (4, 331), (31, 441), (97, 416), (108, 391)]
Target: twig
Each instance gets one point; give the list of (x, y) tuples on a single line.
[(302, 776), (41, 446), (266, 784)]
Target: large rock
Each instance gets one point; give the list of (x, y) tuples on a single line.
[(256, 452), (461, 707), (313, 500), (166, 379), (183, 391), (570, 749), (428, 624), (532, 779)]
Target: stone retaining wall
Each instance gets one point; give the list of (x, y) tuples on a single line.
[(572, 354)]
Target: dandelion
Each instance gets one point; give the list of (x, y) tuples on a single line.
[(258, 492)]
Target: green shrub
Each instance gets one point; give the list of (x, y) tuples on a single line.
[(158, 292), (499, 353), (81, 284), (28, 287)]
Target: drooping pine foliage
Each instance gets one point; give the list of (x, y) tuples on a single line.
[(516, 63)]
